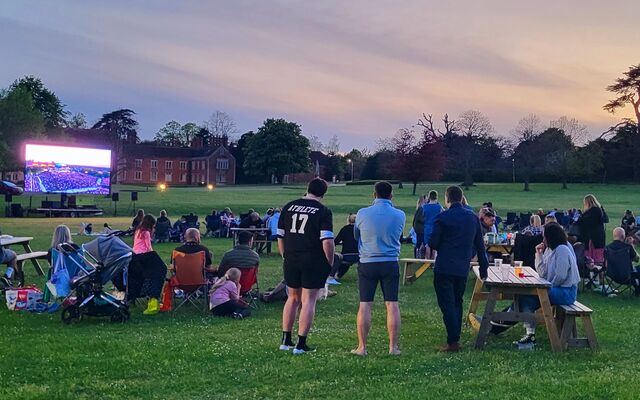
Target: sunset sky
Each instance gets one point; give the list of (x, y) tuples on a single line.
[(358, 69)]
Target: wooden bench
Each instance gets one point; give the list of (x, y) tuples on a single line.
[(35, 255), (566, 319)]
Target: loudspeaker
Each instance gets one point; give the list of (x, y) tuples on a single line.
[(63, 198), (134, 196), (115, 196), (8, 198)]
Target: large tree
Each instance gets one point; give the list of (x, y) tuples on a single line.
[(526, 154), (277, 149), (315, 144), (473, 129), (120, 123), (44, 100), (221, 124), (627, 92), (419, 158), (169, 134), (19, 120), (558, 147)]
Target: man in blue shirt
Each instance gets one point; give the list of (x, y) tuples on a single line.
[(378, 229), (457, 237)]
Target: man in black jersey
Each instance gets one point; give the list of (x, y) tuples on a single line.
[(305, 241)]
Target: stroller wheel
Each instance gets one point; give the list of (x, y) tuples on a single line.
[(70, 313), (121, 315)]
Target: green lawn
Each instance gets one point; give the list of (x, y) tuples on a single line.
[(196, 356)]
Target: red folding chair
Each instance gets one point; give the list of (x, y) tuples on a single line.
[(249, 288), (189, 276)]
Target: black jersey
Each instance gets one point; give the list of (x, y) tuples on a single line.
[(304, 224)]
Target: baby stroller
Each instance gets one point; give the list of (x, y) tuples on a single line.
[(99, 261)]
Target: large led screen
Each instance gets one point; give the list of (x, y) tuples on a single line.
[(67, 169)]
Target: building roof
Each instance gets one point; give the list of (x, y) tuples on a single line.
[(145, 150)]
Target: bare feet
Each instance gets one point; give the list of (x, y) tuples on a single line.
[(359, 352), (394, 352)]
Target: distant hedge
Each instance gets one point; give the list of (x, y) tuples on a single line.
[(370, 182)]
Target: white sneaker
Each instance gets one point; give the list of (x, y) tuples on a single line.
[(285, 347), (333, 281), (307, 349)]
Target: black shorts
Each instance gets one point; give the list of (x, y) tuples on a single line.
[(386, 272), (306, 271)]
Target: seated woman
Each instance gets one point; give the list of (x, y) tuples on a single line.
[(147, 271), (225, 298), (535, 226), (62, 234), (137, 219), (555, 262)]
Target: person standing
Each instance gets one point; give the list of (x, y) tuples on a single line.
[(418, 226), (592, 232), (430, 210), (456, 237), (305, 241), (378, 230)]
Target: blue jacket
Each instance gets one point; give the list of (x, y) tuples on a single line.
[(378, 230), (456, 236), (430, 211)]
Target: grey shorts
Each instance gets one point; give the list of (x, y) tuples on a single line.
[(387, 273)]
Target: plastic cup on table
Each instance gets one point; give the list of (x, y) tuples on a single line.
[(505, 271), (518, 269)]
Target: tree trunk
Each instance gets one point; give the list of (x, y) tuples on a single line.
[(468, 180), (526, 185), (415, 185)]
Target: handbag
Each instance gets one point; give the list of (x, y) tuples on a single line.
[(60, 283)]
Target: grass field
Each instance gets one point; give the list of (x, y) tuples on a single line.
[(194, 356)]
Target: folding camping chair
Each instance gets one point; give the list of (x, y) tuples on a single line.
[(524, 220), (189, 276), (587, 276), (620, 276), (511, 219), (249, 279)]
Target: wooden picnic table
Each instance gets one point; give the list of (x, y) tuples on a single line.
[(502, 248), (409, 274), (24, 241), (254, 231), (509, 289)]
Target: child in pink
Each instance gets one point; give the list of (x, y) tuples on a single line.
[(225, 296)]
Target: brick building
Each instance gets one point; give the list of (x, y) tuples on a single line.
[(143, 164)]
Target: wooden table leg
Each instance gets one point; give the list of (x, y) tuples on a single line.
[(475, 301), (34, 261), (485, 326), (423, 268), (547, 312)]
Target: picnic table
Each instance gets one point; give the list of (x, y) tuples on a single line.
[(29, 254), (509, 289), (409, 274), (254, 231), (502, 248)]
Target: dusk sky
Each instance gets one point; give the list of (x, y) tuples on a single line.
[(358, 69)]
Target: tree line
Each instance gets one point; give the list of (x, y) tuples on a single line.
[(465, 148)]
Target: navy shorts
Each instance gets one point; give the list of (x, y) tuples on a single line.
[(6, 256), (387, 273), (306, 271)]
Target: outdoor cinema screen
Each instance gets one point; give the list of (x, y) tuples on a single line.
[(66, 169)]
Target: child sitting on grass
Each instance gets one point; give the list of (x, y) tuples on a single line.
[(225, 296)]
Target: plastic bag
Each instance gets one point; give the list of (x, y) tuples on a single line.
[(24, 298), (60, 283)]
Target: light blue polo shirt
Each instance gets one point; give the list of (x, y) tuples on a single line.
[(378, 230)]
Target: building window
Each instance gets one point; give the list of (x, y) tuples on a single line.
[(168, 165), (154, 164), (168, 177), (138, 163), (138, 175), (183, 165), (222, 163), (183, 177), (154, 176)]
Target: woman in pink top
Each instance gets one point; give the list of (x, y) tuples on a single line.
[(225, 296), (147, 271)]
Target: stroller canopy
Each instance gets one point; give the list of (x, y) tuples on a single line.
[(107, 249)]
